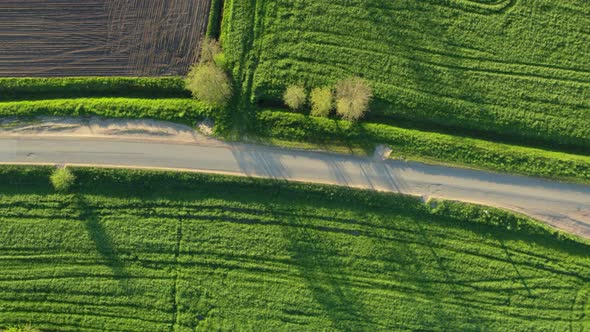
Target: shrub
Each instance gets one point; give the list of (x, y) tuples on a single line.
[(62, 180), (353, 96), (210, 48), (322, 101), (221, 61), (22, 328), (295, 97), (210, 84)]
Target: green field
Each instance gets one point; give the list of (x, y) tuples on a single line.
[(148, 251), (514, 70)]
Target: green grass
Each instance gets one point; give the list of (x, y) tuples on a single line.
[(183, 110), (12, 89), (515, 70), (150, 251)]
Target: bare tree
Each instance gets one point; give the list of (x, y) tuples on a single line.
[(295, 97), (322, 101), (210, 49), (353, 96)]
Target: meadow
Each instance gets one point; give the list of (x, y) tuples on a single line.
[(140, 250), (512, 70)]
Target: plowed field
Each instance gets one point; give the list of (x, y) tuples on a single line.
[(100, 37)]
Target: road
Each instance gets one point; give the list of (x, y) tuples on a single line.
[(565, 206)]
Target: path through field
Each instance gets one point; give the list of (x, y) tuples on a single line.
[(100, 37)]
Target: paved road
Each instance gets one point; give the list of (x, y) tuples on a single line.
[(566, 206)]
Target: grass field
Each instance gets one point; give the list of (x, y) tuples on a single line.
[(145, 251), (100, 37), (514, 70)]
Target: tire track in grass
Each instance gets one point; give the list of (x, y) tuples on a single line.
[(176, 267)]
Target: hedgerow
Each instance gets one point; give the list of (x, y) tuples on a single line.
[(72, 87), (425, 145), (149, 251), (171, 109)]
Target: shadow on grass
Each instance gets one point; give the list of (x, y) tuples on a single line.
[(519, 278), (325, 277), (101, 239)]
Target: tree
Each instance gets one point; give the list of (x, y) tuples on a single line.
[(210, 49), (209, 83), (322, 101), (295, 97), (353, 96), (62, 180)]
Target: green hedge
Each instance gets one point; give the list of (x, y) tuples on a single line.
[(68, 87), (426, 145), (172, 109)]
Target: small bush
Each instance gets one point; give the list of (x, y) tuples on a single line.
[(221, 61), (62, 180), (353, 96), (322, 101), (210, 48), (210, 84), (22, 328), (295, 97)]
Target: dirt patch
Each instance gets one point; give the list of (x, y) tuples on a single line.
[(206, 127), (382, 152), (106, 128), (100, 37)]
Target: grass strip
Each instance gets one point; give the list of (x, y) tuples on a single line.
[(425, 146), (74, 87), (183, 110)]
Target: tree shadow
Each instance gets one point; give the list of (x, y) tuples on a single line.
[(102, 241), (259, 162), (519, 278), (323, 273)]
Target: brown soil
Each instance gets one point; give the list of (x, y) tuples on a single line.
[(100, 37)]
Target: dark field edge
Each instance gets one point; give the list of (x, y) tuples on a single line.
[(15, 89), (215, 18), (167, 185)]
